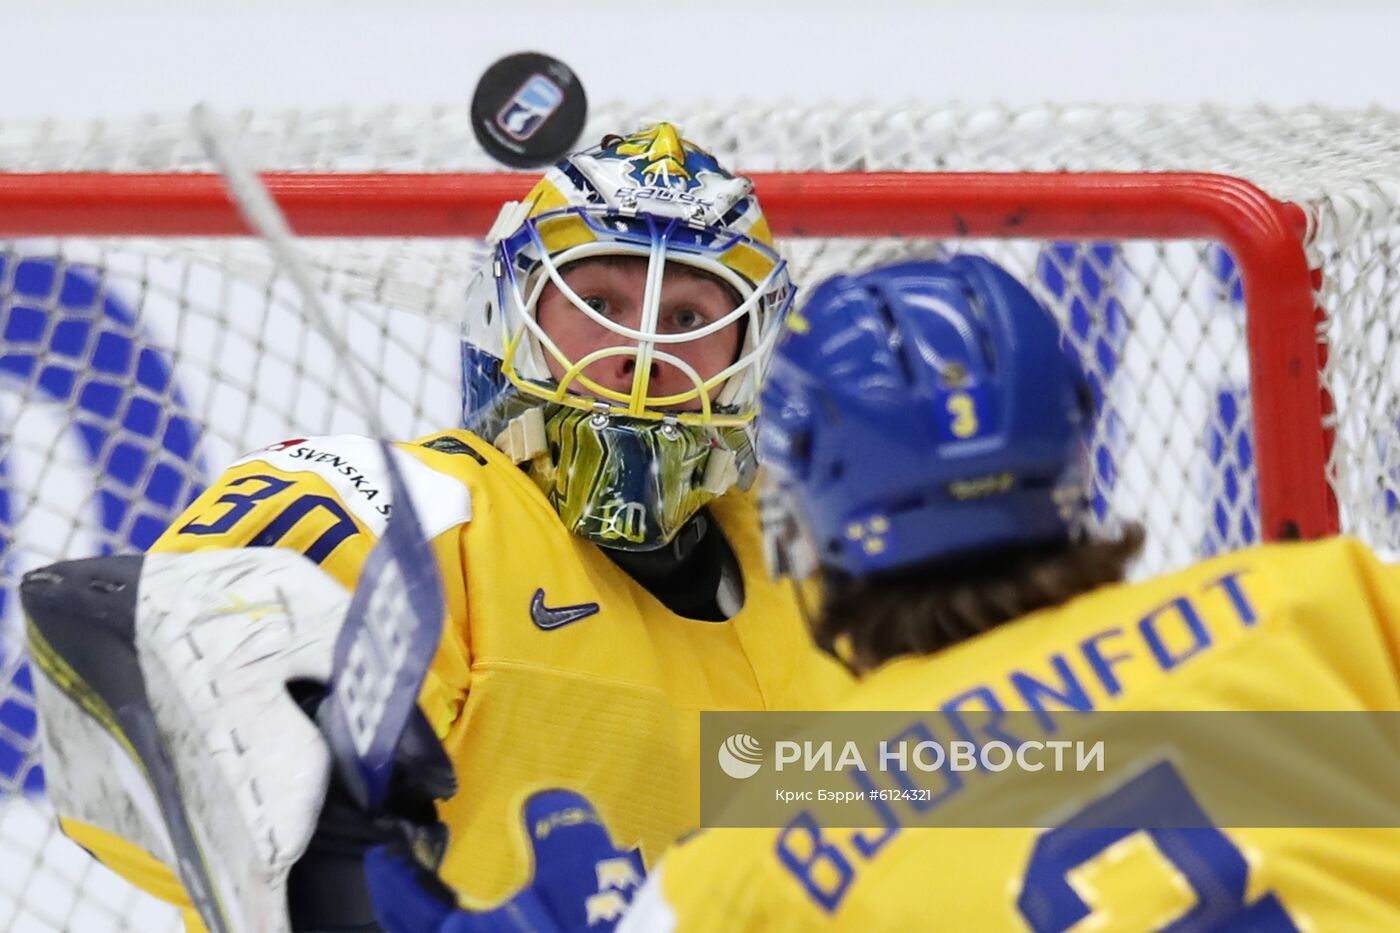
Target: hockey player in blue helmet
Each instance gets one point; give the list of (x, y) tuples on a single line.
[(924, 431), (923, 415)]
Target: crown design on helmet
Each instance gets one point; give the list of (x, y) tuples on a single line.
[(659, 156)]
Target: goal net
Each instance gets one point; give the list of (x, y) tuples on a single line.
[(1228, 277)]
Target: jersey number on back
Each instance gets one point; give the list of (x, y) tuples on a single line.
[(1212, 866)]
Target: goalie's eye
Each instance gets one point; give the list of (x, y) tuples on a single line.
[(596, 303), (687, 319)]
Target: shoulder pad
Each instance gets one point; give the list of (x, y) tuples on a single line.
[(354, 467)]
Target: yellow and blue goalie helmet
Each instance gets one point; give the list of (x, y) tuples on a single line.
[(624, 465)]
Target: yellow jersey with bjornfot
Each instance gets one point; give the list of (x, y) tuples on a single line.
[(1288, 627)]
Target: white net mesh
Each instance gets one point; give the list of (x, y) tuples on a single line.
[(132, 370)]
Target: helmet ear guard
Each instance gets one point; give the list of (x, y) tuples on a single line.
[(524, 437), (721, 471)]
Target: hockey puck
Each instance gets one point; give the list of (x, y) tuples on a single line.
[(528, 110)]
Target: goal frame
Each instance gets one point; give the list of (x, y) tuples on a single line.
[(1266, 237)]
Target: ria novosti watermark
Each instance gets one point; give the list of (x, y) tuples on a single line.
[(741, 756), (985, 768)]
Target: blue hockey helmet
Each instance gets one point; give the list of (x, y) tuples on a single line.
[(917, 412)]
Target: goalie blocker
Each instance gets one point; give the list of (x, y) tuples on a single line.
[(175, 698)]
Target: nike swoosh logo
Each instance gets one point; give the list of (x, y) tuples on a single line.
[(552, 617)]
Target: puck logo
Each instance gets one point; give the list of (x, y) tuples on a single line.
[(527, 109), (740, 756)]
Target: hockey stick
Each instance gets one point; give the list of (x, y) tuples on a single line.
[(395, 616), (392, 627)]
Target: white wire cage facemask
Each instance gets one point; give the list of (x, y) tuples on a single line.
[(524, 266)]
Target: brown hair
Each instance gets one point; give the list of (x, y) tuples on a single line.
[(866, 621)]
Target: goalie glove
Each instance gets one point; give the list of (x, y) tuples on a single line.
[(167, 719)]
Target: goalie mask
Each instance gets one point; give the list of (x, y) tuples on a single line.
[(635, 414)]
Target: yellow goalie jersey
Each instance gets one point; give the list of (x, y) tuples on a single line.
[(1311, 626), (555, 669)]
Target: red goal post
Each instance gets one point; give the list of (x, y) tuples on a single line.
[(1265, 236)]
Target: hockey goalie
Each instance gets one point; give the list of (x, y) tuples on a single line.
[(600, 563)]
